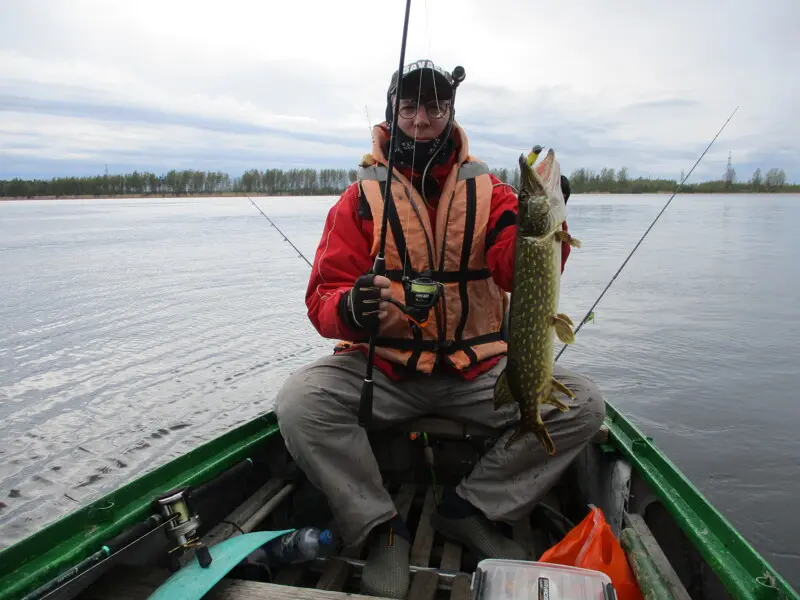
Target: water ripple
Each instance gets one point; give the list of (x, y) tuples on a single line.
[(135, 330)]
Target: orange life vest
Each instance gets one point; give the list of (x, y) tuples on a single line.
[(465, 326)]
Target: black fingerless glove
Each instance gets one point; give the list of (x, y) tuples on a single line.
[(359, 307)]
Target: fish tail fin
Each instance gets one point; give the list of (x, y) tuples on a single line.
[(563, 236), (546, 440), (538, 427), (563, 325), (531, 422), (518, 434), (502, 391), (562, 388)]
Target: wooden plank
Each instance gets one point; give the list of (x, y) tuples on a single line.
[(334, 575), (423, 586), (251, 590), (139, 583), (451, 557), (423, 539), (404, 498), (461, 588), (243, 512), (660, 560)]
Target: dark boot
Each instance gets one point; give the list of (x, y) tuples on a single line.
[(460, 521)]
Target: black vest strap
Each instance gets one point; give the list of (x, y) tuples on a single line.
[(466, 251), (395, 225), (421, 345), (444, 276)]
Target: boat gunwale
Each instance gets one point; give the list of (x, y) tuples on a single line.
[(133, 503), (738, 565)]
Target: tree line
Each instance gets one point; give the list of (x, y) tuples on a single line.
[(612, 181), (324, 182), (188, 182)]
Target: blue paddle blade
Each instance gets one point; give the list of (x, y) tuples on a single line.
[(192, 582)]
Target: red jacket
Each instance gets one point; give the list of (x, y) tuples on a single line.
[(343, 255)]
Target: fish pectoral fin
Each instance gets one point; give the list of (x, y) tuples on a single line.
[(502, 392), (563, 325), (565, 318), (562, 388), (563, 236)]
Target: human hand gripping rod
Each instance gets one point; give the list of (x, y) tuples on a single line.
[(379, 267)]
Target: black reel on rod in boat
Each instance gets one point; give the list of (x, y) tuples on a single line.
[(421, 295)]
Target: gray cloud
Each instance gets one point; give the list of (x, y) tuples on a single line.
[(164, 85), (151, 116)]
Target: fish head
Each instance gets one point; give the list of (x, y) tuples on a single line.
[(534, 206), (541, 201)]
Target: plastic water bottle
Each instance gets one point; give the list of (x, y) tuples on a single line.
[(294, 547), (299, 546)]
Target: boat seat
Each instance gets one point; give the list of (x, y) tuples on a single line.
[(449, 428)]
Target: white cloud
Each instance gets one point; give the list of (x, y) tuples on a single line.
[(248, 84)]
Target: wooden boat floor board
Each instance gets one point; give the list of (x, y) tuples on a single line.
[(136, 583)]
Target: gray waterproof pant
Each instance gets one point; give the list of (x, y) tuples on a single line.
[(317, 411)]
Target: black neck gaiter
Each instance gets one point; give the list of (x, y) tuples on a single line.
[(416, 155)]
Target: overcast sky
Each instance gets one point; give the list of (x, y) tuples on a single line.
[(238, 84)]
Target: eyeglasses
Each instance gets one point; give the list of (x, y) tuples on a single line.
[(434, 110)]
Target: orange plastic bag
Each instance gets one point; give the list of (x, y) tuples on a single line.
[(592, 545)]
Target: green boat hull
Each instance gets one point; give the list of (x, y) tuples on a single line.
[(625, 474)]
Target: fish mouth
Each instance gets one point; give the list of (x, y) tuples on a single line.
[(530, 184)]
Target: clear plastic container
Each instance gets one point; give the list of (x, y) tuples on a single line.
[(496, 579)]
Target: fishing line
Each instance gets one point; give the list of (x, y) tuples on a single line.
[(369, 122), (282, 234), (591, 310)]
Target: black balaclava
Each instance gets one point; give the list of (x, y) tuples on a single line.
[(435, 84)]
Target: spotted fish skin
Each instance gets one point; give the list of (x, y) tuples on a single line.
[(527, 379)]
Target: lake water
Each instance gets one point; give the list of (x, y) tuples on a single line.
[(134, 330)]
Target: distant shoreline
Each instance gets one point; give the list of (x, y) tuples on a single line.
[(169, 195), (285, 194)]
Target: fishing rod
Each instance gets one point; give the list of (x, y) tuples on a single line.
[(282, 234), (591, 310), (379, 267)]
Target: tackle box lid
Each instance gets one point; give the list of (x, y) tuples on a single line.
[(499, 579)]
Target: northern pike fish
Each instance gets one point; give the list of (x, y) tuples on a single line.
[(533, 316)]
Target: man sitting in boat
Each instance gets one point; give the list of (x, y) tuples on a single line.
[(446, 365)]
